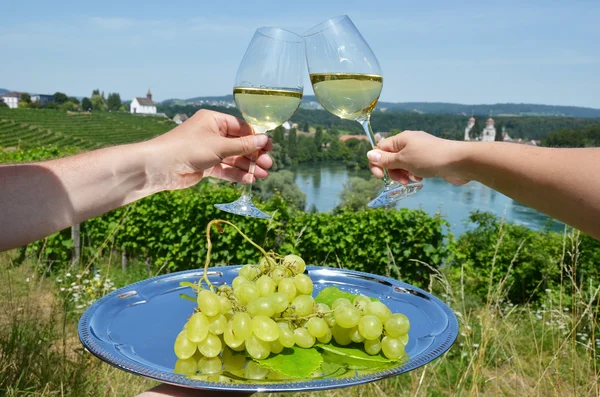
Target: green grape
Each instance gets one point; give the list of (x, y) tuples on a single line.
[(355, 335), (184, 348), (246, 292), (208, 302), (294, 263), (288, 288), (186, 366), (361, 302), (279, 301), (266, 264), (278, 273), (372, 346), (330, 320), (197, 327), (259, 306), (266, 286), (226, 306), (370, 327), (397, 325), (250, 272), (341, 335), (242, 325), (303, 338), (254, 371), (317, 327), (218, 324), (392, 348), (276, 346), (404, 339), (378, 310), (286, 336), (265, 328), (233, 361), (303, 304), (210, 365), (258, 349), (327, 337), (239, 280), (240, 348), (340, 301), (346, 316), (211, 346), (230, 338), (304, 284)]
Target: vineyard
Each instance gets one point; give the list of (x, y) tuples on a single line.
[(29, 128)]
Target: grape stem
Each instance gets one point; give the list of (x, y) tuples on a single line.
[(217, 223)]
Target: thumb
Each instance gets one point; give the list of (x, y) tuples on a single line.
[(386, 159), (227, 147)]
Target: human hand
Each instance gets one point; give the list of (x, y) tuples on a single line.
[(208, 144), (177, 391), (416, 155)]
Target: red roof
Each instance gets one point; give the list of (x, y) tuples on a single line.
[(359, 137)]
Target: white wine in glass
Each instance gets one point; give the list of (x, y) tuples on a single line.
[(347, 81), (267, 91)]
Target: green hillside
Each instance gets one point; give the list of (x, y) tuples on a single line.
[(27, 128)]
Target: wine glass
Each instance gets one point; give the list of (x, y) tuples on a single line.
[(347, 81), (267, 91)]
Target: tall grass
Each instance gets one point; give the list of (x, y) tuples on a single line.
[(547, 349)]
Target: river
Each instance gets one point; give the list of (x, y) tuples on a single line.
[(324, 182)]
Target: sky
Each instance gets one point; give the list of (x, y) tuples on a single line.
[(471, 52)]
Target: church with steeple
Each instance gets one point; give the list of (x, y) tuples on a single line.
[(487, 135), (143, 105)]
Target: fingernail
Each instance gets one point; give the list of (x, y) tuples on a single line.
[(373, 155), (260, 140)]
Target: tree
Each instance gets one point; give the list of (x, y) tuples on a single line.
[(86, 104), (114, 101), (282, 183), (475, 130), (292, 145), (25, 97), (305, 126), (499, 136), (50, 105), (3, 105), (60, 98), (96, 92), (68, 106), (74, 100), (98, 103), (319, 138), (278, 135), (358, 192)]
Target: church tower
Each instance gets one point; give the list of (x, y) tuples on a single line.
[(149, 95), (470, 125), (489, 132)]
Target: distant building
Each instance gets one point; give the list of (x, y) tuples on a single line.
[(143, 105), (180, 118), (11, 99), (489, 132), (359, 137), (469, 127), (42, 99), (288, 125)]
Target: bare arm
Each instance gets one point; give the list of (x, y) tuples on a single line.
[(42, 198), (562, 183)]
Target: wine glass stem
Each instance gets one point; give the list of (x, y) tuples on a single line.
[(247, 189), (366, 125)]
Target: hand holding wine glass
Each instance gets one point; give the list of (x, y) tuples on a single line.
[(347, 81), (267, 91)]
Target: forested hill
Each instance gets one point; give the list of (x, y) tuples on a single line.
[(450, 126)]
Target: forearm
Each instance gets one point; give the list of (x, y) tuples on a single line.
[(42, 198), (562, 183)]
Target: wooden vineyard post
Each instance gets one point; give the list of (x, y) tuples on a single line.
[(76, 237)]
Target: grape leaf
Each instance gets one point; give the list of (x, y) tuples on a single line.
[(354, 357), (329, 294), (331, 369), (294, 362)]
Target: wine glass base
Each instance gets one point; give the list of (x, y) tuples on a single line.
[(243, 206), (394, 193)]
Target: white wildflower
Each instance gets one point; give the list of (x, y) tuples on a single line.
[(548, 290), (68, 275), (78, 276), (27, 280), (86, 281), (62, 289), (475, 345)]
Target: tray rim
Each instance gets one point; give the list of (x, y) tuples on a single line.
[(128, 365)]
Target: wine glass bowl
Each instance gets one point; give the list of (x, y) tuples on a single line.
[(347, 81), (267, 91)]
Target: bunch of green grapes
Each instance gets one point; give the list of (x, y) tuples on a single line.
[(270, 307)]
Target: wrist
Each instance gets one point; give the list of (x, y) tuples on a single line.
[(462, 159)]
